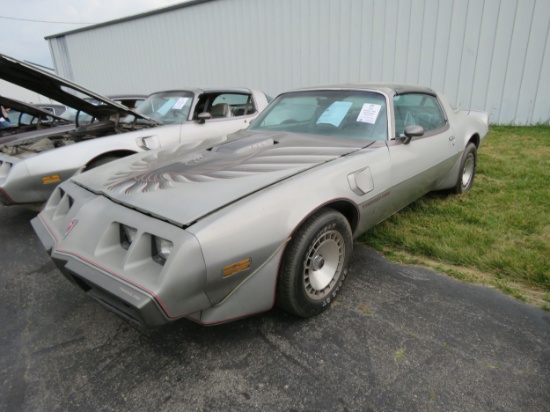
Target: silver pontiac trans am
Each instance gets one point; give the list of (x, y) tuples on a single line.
[(269, 217), (33, 163)]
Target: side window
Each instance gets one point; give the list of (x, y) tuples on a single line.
[(14, 116), (232, 104), (418, 109)]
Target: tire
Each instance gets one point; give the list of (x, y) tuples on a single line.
[(315, 264), (467, 170)]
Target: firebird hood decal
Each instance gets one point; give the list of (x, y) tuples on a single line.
[(181, 187), (165, 170)]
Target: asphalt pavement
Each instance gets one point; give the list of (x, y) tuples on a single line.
[(399, 338)]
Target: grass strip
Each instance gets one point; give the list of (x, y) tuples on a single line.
[(498, 234)]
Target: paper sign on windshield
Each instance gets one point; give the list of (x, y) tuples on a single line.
[(335, 113), (369, 113), (166, 106), (180, 103)]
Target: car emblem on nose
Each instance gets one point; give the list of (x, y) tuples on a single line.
[(70, 227)]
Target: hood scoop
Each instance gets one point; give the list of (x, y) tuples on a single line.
[(244, 146)]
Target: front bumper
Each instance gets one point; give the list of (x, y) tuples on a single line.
[(5, 167), (20, 186), (118, 296), (4, 198), (78, 230)]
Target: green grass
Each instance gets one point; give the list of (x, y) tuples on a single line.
[(498, 233), (398, 355)]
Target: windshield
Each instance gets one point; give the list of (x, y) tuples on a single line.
[(70, 115), (130, 102), (167, 107), (340, 113), (30, 119)]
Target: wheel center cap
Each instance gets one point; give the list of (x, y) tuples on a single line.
[(318, 262)]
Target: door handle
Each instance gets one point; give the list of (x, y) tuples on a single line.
[(451, 139)]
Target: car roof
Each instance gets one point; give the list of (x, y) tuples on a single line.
[(390, 89), (127, 96), (48, 105), (200, 90)]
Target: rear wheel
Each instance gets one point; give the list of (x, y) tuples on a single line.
[(467, 169), (315, 264)]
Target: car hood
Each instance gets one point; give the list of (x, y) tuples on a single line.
[(27, 108), (61, 90), (34, 135), (182, 186)]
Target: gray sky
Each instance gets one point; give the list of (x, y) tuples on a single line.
[(24, 40)]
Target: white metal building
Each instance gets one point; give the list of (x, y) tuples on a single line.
[(492, 55)]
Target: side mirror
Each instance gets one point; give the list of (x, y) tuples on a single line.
[(203, 117), (411, 131)]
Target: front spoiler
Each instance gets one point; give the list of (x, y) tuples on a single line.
[(5, 199), (118, 296)]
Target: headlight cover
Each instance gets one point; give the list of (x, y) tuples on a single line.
[(127, 236), (162, 248)]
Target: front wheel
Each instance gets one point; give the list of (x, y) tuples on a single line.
[(467, 169), (315, 264)]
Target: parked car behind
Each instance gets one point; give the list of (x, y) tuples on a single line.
[(33, 164), (54, 108), (25, 117), (266, 218), (76, 115)]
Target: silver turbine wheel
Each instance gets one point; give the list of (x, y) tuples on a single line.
[(323, 264)]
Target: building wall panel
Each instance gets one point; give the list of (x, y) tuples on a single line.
[(516, 61), (489, 55), (541, 108), (402, 41), (441, 47), (470, 49), (484, 57), (535, 52), (427, 49)]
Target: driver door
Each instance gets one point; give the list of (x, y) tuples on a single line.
[(418, 165)]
